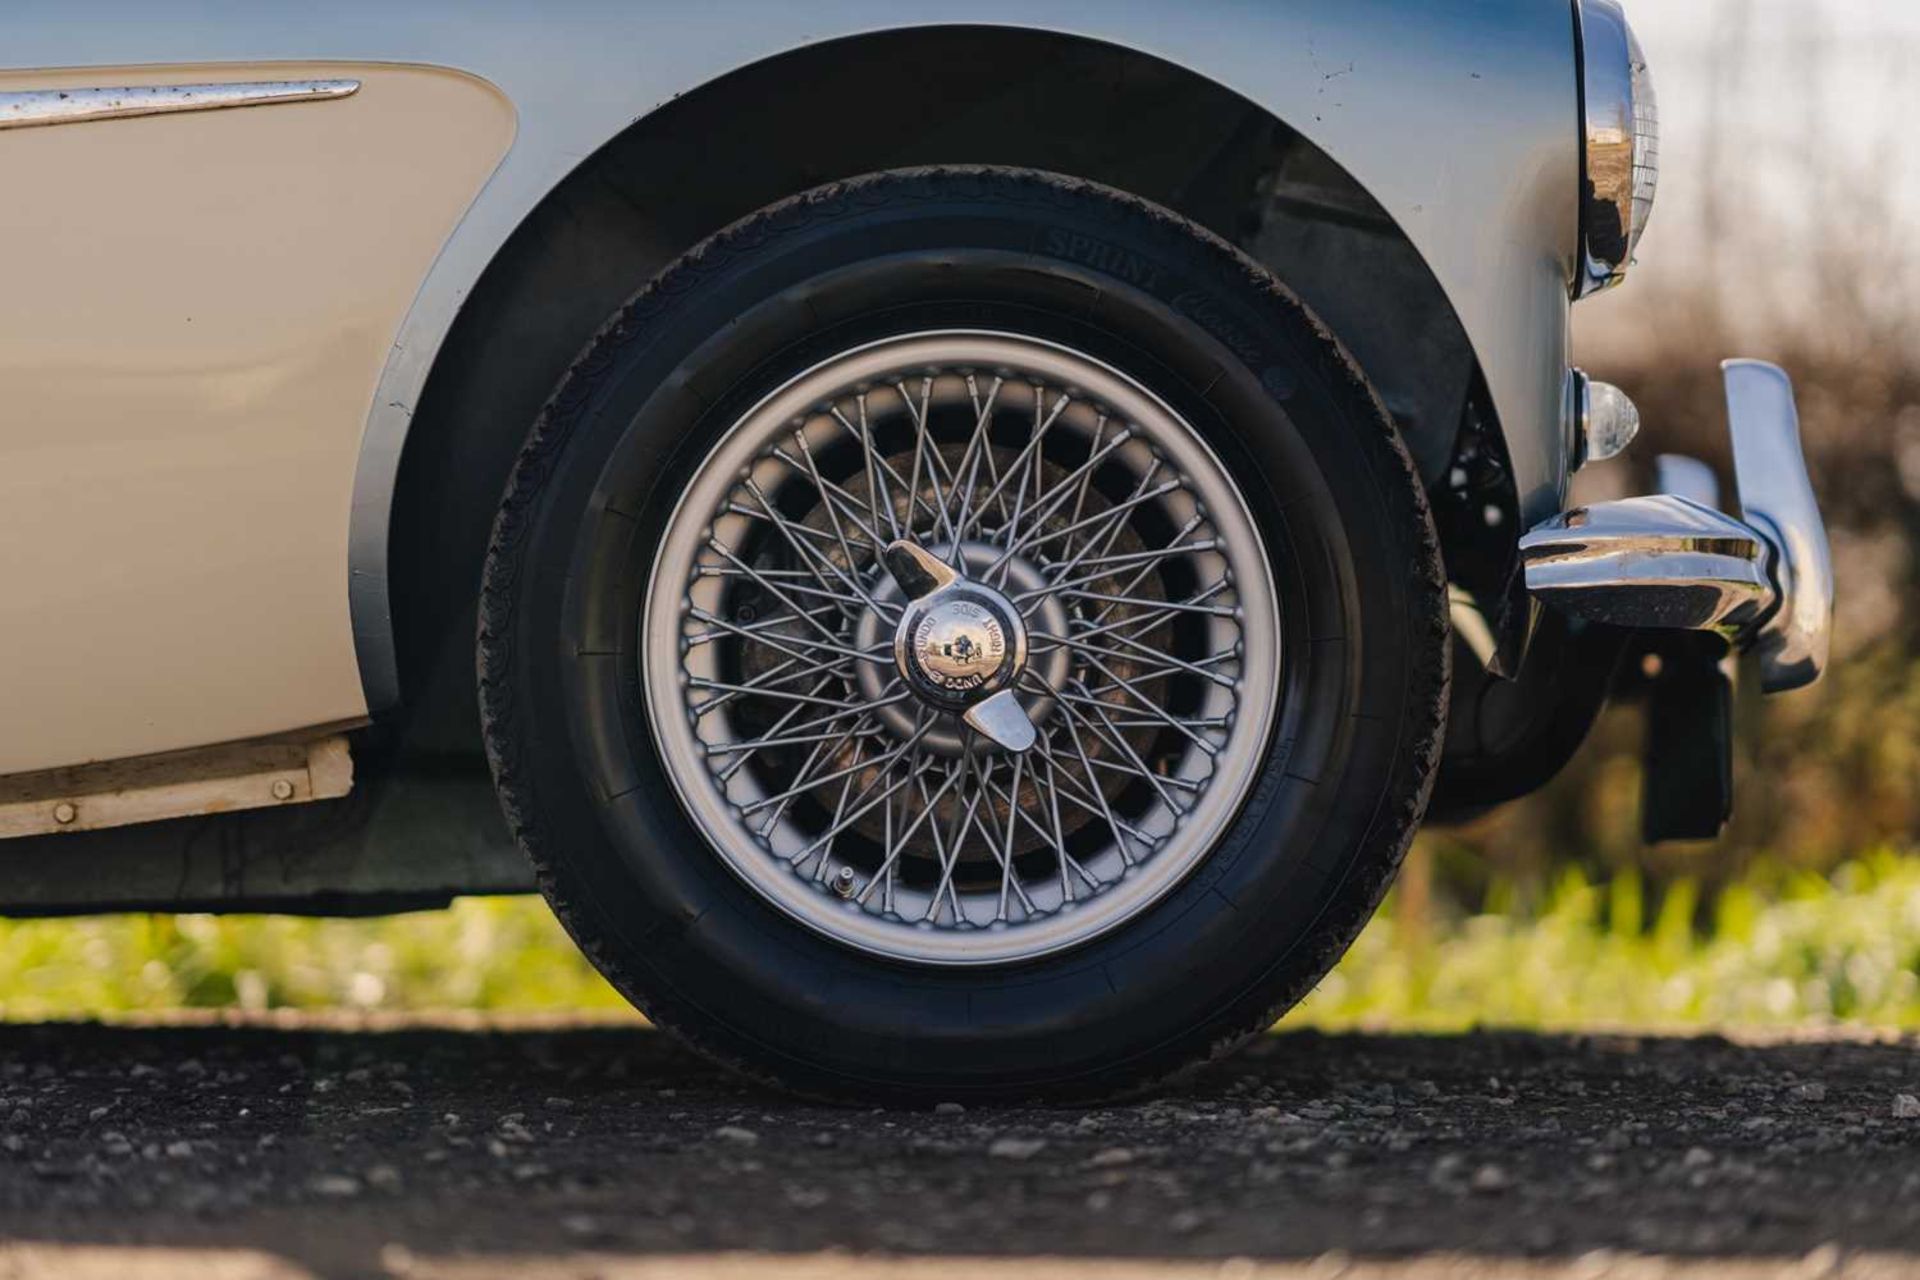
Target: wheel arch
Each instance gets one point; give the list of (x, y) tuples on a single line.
[(791, 121)]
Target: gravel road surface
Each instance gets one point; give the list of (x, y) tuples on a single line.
[(286, 1152)]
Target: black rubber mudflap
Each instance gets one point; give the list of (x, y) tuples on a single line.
[(1688, 789)]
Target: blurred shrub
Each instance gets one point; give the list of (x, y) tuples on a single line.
[(481, 953), (1781, 947)]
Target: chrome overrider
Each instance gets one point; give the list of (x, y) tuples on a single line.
[(1763, 579)]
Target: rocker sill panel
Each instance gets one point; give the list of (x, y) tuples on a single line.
[(39, 107)]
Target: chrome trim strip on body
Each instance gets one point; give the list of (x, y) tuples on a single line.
[(38, 108)]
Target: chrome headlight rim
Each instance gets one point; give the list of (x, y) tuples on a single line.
[(1619, 145)]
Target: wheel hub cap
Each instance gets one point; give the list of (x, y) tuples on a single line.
[(965, 645)]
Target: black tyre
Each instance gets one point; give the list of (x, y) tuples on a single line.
[(1100, 807)]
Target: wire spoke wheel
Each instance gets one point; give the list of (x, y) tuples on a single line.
[(961, 648), (921, 663)]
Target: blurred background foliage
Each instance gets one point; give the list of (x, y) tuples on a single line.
[(1790, 186), (1780, 947)]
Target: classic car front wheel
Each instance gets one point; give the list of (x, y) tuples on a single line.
[(963, 633)]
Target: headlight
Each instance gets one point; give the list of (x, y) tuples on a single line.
[(1621, 123)]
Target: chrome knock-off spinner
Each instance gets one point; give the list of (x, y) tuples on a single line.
[(960, 645)]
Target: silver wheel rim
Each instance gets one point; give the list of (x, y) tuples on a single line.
[(864, 788)]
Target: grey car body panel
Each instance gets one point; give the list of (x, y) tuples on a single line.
[(1460, 117)]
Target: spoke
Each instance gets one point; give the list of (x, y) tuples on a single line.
[(795, 735), (793, 578), (1000, 840), (886, 842), (699, 638), (826, 839), (1059, 833), (837, 497), (1113, 564), (1140, 574), (826, 854), (919, 417), (1119, 742), (950, 855), (878, 497), (1089, 797), (1052, 503), (766, 679), (1109, 517), (883, 766), (817, 757), (768, 585), (1146, 676), (879, 762), (969, 462), (811, 556), (1167, 779), (1211, 610), (994, 492), (880, 461), (763, 691), (1041, 427), (791, 645), (797, 530), (880, 487), (786, 718), (1086, 473), (784, 725), (1174, 664), (937, 461), (1161, 612), (799, 666), (848, 604), (931, 457), (833, 514), (939, 845), (1049, 838), (1202, 722), (1103, 543), (1151, 707), (900, 843)]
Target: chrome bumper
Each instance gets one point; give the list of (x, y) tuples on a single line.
[(1675, 561)]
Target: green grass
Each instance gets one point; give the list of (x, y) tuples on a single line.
[(1779, 948), (487, 954)]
